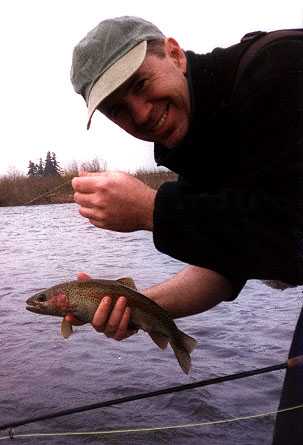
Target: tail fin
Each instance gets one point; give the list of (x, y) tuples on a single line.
[(182, 346)]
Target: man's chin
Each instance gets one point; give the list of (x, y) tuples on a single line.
[(172, 139), (169, 139)]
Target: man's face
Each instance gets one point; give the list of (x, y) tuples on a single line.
[(154, 104)]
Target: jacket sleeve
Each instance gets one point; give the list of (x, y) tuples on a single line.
[(237, 233)]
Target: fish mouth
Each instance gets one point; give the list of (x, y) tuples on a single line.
[(36, 307)]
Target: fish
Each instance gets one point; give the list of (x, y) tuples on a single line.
[(82, 298)]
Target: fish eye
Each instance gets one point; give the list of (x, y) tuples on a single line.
[(41, 297)]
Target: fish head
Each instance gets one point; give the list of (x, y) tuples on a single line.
[(50, 302)]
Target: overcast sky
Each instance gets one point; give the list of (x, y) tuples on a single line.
[(39, 109)]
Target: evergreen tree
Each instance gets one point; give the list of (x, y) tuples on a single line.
[(40, 169), (50, 167), (32, 169), (56, 166)]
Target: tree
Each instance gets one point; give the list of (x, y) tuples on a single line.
[(32, 169), (56, 165), (51, 166), (48, 165), (40, 169)]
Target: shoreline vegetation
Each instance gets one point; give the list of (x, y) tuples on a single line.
[(17, 189)]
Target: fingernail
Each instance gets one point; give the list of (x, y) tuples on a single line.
[(122, 300), (106, 300)]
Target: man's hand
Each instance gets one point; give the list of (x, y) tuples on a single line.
[(115, 201), (114, 324)]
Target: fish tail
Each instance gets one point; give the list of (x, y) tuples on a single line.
[(183, 345)]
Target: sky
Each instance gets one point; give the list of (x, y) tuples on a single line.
[(39, 110)]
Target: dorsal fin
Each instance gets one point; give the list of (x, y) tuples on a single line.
[(127, 281)]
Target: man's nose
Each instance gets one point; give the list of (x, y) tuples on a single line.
[(140, 110)]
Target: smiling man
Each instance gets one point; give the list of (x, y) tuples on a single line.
[(154, 104), (235, 142)]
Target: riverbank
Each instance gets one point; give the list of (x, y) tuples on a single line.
[(18, 189)]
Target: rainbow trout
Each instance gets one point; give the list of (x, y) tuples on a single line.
[(82, 298)]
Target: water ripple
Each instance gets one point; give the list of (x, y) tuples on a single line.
[(40, 371)]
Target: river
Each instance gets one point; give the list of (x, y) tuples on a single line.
[(41, 372)]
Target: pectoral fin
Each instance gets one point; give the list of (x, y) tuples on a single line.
[(66, 328)]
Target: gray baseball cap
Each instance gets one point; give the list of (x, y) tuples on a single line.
[(109, 55)]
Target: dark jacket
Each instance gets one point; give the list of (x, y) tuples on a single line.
[(236, 206)]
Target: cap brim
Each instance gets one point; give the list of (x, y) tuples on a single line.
[(115, 76)]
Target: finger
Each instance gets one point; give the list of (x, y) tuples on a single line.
[(95, 216), (82, 276), (100, 224), (102, 314), (123, 331), (84, 184), (86, 199), (90, 212), (103, 224), (115, 317)]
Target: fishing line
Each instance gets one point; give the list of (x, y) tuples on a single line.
[(291, 363), (152, 429), (43, 195)]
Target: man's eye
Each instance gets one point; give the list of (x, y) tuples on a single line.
[(113, 112), (140, 85)]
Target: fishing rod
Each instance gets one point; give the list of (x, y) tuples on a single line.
[(291, 363)]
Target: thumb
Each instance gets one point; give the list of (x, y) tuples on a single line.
[(82, 276)]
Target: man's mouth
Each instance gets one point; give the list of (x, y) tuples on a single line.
[(161, 121)]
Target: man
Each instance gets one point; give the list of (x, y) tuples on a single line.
[(234, 213)]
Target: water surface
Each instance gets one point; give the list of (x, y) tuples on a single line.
[(41, 372)]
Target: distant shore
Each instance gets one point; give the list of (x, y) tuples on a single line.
[(18, 189)]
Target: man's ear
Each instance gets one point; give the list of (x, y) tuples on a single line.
[(176, 53)]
